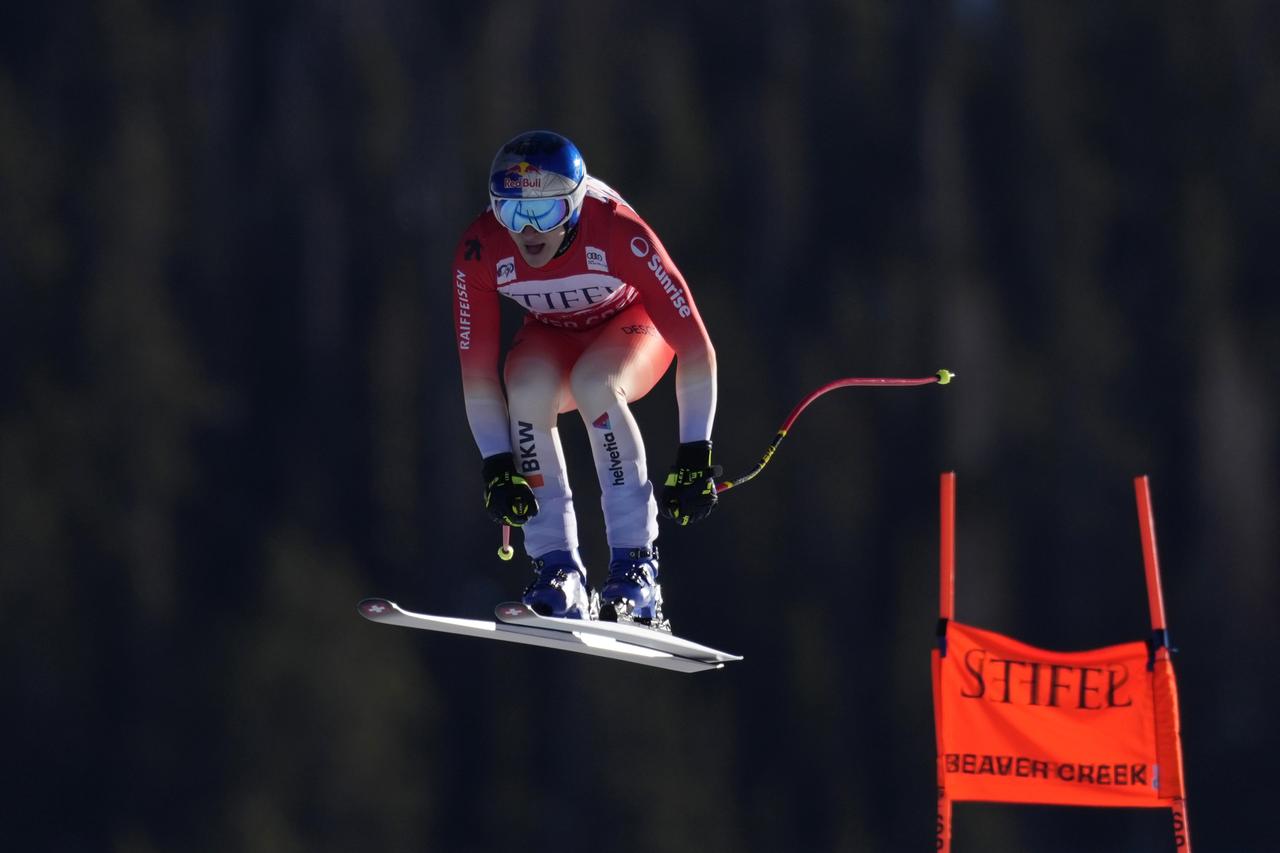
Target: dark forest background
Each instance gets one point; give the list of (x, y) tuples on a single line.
[(231, 409)]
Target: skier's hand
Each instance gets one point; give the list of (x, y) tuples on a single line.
[(689, 493), (507, 495)]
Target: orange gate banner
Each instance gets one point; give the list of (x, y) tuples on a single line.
[(1020, 724)]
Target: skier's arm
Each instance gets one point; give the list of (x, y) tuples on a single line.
[(666, 297), (477, 326), (689, 490)]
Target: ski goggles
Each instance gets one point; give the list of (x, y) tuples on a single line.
[(544, 214)]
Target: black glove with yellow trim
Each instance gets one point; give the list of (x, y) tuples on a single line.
[(689, 493), (507, 495)]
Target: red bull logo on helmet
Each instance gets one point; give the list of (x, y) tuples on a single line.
[(522, 176)]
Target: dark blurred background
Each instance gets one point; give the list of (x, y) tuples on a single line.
[(231, 409)]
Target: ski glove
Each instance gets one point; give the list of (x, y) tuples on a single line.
[(689, 493), (507, 495)]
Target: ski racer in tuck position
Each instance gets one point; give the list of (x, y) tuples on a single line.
[(607, 310)]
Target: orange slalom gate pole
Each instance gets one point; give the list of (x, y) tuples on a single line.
[(946, 612), (947, 551), (1150, 559), (1167, 702)]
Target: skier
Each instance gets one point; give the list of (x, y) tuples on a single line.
[(607, 310)]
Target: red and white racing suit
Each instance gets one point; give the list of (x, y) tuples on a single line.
[(604, 320)]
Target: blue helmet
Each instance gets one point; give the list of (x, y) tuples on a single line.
[(538, 179)]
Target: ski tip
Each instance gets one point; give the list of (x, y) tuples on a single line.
[(375, 608)]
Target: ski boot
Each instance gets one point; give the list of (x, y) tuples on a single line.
[(632, 593), (560, 588)]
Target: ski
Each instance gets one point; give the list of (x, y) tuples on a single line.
[(517, 613), (581, 642)]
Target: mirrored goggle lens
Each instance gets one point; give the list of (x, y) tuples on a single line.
[(544, 214)]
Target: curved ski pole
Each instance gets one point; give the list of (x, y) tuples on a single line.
[(942, 377)]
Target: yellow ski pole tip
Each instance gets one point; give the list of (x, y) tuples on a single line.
[(945, 376), (506, 552)]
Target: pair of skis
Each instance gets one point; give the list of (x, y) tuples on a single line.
[(517, 623)]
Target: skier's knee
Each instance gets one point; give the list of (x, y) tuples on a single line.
[(595, 393), (531, 404)]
